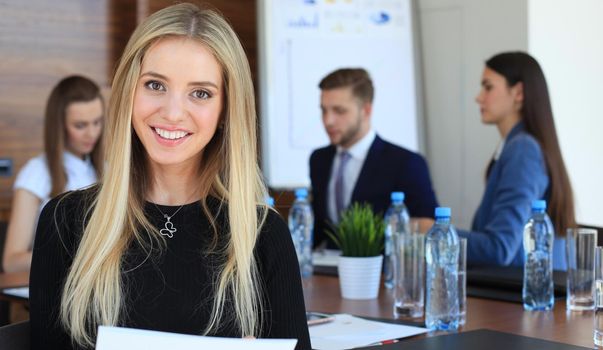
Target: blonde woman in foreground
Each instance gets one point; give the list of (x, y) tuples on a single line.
[(176, 236)]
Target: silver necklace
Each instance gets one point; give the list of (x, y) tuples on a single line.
[(169, 228)]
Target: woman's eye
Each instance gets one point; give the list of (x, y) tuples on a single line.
[(154, 85), (201, 94)]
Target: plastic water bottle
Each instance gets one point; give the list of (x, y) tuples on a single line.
[(301, 225), (397, 224), (538, 237), (441, 255)]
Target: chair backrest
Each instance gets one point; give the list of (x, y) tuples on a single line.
[(15, 336)]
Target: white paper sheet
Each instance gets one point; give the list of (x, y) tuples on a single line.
[(21, 292), (116, 338), (348, 332)]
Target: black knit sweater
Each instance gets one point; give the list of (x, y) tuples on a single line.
[(172, 290)]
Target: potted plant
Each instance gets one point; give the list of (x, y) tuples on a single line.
[(360, 236)]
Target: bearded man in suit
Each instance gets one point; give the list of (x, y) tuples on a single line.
[(358, 165)]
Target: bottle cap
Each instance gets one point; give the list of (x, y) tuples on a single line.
[(270, 201), (442, 212), (301, 193), (539, 205), (397, 196)]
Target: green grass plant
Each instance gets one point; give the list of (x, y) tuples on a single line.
[(360, 232)]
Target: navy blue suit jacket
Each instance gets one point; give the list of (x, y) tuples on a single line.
[(387, 168)]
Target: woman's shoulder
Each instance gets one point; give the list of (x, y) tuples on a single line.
[(34, 177), (274, 223), (75, 200), (274, 234), (522, 160), (37, 162), (523, 139), (520, 144), (63, 219), (69, 209)]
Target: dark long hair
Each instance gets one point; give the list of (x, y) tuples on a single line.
[(537, 116), (69, 90)]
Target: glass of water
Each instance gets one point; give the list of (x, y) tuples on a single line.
[(598, 325)]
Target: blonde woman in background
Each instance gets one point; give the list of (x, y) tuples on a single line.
[(72, 159), (176, 236)]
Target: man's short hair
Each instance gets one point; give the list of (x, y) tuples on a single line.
[(356, 78)]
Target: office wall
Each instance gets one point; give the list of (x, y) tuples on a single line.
[(566, 38), (457, 36)]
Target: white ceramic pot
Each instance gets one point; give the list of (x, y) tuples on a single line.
[(359, 277)]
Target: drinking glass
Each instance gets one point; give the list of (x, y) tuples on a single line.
[(580, 253), (410, 276)]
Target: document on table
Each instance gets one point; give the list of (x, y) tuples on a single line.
[(21, 292), (348, 332), (117, 338)]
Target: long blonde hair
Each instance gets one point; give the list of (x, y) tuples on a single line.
[(93, 291)]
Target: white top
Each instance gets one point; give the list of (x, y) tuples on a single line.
[(499, 149), (358, 151), (35, 177)]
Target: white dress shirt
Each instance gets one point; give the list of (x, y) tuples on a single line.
[(358, 153), (499, 149)]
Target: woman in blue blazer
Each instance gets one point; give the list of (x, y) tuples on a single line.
[(526, 166)]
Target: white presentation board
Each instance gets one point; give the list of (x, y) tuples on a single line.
[(300, 42)]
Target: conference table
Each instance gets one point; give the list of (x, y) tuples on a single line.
[(322, 294)]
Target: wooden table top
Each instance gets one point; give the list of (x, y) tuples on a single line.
[(322, 294)]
